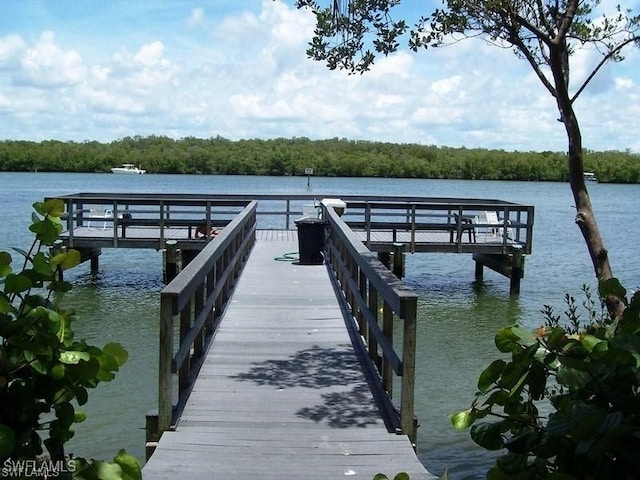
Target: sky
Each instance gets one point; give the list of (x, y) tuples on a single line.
[(83, 70)]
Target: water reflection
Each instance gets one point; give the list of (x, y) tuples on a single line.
[(119, 303), (457, 320)]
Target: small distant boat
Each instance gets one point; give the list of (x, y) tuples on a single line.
[(128, 168), (590, 177)]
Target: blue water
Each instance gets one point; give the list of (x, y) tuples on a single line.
[(457, 315)]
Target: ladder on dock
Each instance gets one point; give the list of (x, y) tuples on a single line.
[(282, 392)]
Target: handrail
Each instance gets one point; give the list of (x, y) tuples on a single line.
[(198, 296), (444, 215), (285, 208), (366, 283)]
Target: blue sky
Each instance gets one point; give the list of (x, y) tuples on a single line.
[(94, 70)]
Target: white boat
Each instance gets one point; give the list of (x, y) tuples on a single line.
[(128, 168), (590, 177)]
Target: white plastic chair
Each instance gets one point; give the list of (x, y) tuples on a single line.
[(496, 225), (106, 214)]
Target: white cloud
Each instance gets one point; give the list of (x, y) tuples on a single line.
[(150, 55), (10, 46), (244, 73), (46, 65), (196, 19)]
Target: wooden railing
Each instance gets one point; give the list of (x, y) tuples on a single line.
[(279, 211), (191, 305), (121, 211), (460, 218), (368, 288)]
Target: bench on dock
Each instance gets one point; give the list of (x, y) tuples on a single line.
[(190, 224), (455, 229)]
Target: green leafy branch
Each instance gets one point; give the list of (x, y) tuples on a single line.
[(564, 403), (44, 372)]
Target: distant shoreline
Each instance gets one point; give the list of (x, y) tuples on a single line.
[(295, 156)]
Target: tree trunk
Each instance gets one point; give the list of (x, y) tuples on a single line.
[(585, 218)]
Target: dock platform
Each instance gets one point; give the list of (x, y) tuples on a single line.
[(282, 392)]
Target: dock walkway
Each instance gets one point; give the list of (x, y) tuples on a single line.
[(282, 393)]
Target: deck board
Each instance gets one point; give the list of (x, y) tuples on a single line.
[(281, 394)]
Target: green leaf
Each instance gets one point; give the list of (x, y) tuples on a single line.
[(512, 464), (463, 420), (556, 338), (86, 371), (41, 265), (5, 258), (104, 471), (117, 352), (380, 476), (573, 378), (490, 375), (402, 476), (488, 436), (53, 207), (498, 397), (5, 304), (66, 260), (496, 474), (71, 357), (506, 340), (65, 414), (17, 283), (7, 440), (129, 465), (60, 286), (47, 232), (5, 264), (589, 342)]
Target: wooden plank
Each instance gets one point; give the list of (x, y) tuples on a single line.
[(281, 394)]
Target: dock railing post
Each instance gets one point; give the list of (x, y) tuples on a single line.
[(407, 420), (165, 376)]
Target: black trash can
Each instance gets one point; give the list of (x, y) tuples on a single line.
[(311, 240)]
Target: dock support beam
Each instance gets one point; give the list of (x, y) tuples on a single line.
[(510, 265)]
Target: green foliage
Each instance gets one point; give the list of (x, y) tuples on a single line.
[(333, 157), (564, 404), (399, 476), (403, 476), (45, 373)]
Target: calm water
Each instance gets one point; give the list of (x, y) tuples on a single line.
[(457, 319)]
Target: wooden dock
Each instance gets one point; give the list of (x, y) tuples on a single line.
[(282, 392), (275, 370)]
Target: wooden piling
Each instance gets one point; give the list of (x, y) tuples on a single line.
[(479, 270), (517, 270), (385, 258), (95, 262), (398, 259), (170, 260)]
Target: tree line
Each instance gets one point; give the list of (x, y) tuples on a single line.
[(292, 156)]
